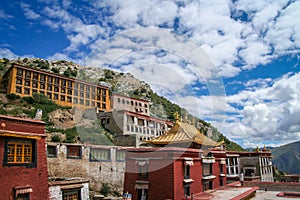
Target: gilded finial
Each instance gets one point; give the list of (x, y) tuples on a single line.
[(176, 116), (264, 149), (257, 149), (193, 121)]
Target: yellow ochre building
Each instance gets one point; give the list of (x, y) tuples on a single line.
[(65, 91)]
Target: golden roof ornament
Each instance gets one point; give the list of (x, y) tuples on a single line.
[(257, 149), (265, 149), (176, 117)]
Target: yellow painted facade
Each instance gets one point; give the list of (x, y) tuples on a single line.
[(64, 91)]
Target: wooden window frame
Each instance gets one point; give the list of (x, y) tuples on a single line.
[(52, 155), (69, 151), (11, 147), (70, 192), (95, 159), (120, 155)]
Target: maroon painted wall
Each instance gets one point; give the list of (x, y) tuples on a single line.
[(20, 176)]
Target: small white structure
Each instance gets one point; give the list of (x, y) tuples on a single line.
[(68, 188)]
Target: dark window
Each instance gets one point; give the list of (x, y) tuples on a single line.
[(221, 181), (50, 79), (186, 171), (56, 81), (221, 169), (120, 155), (142, 194), (104, 98), (51, 151), (69, 99), (70, 84), (103, 106), (62, 97), (28, 74), (20, 72), (207, 185), (35, 76), (55, 96), (73, 151), (25, 196), (207, 169), (19, 152), (42, 86), (19, 90), (99, 154), (19, 81), (187, 190), (143, 170), (49, 95), (34, 84), (71, 194), (42, 77), (81, 102), (26, 91)]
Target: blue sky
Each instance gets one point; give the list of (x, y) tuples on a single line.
[(232, 63)]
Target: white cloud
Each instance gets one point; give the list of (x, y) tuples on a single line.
[(6, 53), (268, 113), (29, 13), (4, 15)]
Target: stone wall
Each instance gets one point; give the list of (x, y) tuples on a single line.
[(56, 188), (109, 171), (274, 186)]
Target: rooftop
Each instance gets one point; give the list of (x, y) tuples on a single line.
[(183, 133)]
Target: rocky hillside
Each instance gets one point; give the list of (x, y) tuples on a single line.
[(286, 157), (61, 121)]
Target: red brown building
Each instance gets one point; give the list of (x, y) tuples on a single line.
[(174, 170), (23, 164)]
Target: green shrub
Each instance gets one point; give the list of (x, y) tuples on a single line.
[(55, 70), (28, 100), (3, 112), (74, 72), (71, 134), (55, 138), (105, 189), (67, 73), (13, 96)]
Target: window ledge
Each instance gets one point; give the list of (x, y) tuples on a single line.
[(208, 177), (188, 180)]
